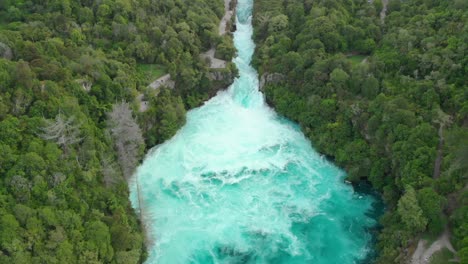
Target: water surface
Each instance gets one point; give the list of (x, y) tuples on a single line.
[(240, 184)]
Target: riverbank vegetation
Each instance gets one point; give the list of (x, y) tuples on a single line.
[(70, 132), (385, 99)]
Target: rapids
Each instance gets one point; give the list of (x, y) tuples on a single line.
[(240, 184)]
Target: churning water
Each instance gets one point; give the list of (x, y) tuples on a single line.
[(240, 184)]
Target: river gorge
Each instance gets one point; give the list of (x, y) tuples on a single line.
[(241, 184)]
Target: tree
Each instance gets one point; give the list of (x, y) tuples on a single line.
[(432, 204), (172, 115), (63, 131), (5, 51), (127, 136), (21, 188), (225, 49), (8, 231), (370, 87), (410, 213), (338, 77), (103, 12), (24, 75), (98, 240), (443, 120), (277, 23), (366, 46), (109, 171)]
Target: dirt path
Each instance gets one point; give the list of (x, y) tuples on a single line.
[(143, 104), (383, 13), (422, 255), (417, 255), (444, 120), (226, 18), (210, 54), (164, 80), (438, 161), (214, 62)]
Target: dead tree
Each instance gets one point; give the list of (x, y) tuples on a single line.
[(443, 120), (110, 172), (127, 136), (63, 131)]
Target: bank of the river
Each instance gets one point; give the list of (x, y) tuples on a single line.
[(238, 183), (380, 119), (164, 103)]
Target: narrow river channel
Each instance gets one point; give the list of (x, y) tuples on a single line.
[(240, 184)]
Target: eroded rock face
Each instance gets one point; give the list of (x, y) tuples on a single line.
[(220, 75), (5, 51), (270, 78), (216, 75)]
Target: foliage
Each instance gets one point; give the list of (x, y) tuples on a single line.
[(165, 116), (387, 119), (356, 59), (150, 72), (442, 257), (66, 142), (410, 213), (225, 49), (127, 137)]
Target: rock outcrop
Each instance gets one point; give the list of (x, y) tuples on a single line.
[(224, 76), (272, 78)]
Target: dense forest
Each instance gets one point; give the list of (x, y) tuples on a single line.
[(70, 127), (385, 95)]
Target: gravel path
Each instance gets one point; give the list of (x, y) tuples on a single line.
[(143, 104), (383, 13), (164, 80), (226, 18), (214, 62), (422, 255)]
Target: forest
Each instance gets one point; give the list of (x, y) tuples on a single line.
[(385, 96), (382, 94), (71, 132)]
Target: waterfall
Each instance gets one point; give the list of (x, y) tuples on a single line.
[(240, 184)]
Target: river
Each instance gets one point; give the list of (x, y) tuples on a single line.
[(241, 184)]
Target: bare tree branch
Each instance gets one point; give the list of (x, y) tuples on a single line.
[(127, 136), (63, 131), (110, 172)]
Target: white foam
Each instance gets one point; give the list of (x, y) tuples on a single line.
[(235, 174)]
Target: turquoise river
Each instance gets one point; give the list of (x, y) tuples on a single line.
[(240, 184)]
